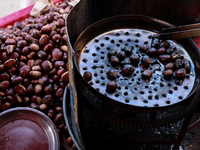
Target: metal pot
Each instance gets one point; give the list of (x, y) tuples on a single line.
[(121, 22), (88, 12)]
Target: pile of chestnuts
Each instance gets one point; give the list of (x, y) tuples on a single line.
[(34, 65)]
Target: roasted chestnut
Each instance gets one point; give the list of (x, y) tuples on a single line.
[(87, 75), (134, 59), (180, 73), (170, 50), (121, 55), (155, 43), (176, 55), (160, 51), (124, 62), (146, 60), (187, 66), (111, 86), (112, 74), (147, 74), (152, 51), (179, 63), (168, 73), (165, 58), (169, 66), (112, 52), (127, 70), (128, 50), (114, 60), (165, 44), (144, 48)]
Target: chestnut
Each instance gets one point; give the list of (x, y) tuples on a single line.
[(165, 44), (87, 75), (112, 74), (180, 73), (152, 51), (47, 65), (111, 86), (121, 55), (127, 70), (187, 66), (165, 58), (170, 50), (146, 60), (179, 63), (128, 50), (44, 39), (114, 60), (112, 52), (155, 43), (9, 63), (176, 55), (34, 47), (169, 66), (161, 51), (134, 59), (144, 48), (168, 73), (147, 74)]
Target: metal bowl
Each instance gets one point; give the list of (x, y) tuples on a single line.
[(27, 128)]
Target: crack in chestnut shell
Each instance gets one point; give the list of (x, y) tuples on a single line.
[(100, 56)]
